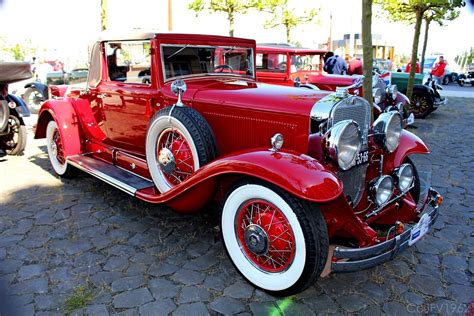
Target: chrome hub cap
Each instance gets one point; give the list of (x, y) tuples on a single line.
[(166, 160), (256, 240)]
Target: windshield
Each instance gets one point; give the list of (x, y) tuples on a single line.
[(306, 62), (197, 60)]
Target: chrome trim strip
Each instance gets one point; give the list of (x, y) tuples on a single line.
[(102, 176)]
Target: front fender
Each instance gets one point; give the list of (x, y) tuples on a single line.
[(40, 86), (300, 175), (62, 111), (409, 144)]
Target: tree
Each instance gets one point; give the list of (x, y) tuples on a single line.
[(285, 16), (367, 50), (103, 14), (230, 7), (439, 15), (412, 11)]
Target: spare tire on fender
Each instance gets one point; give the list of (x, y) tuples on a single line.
[(179, 141)]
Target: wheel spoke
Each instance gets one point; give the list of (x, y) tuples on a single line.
[(267, 240)]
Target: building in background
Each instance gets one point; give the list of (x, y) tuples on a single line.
[(353, 46)]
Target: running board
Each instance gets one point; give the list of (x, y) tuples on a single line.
[(115, 176)]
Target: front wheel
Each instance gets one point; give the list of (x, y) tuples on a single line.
[(421, 104), (276, 241), (33, 98), (15, 141)]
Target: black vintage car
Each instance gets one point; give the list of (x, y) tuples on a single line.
[(12, 109)]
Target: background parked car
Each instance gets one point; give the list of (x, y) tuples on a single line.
[(12, 109), (36, 92)]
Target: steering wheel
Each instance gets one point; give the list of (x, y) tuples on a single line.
[(222, 67), (282, 65)]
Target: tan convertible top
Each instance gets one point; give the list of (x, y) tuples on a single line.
[(14, 71)]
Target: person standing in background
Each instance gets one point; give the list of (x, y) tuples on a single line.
[(355, 67), (417, 68), (334, 64), (389, 64), (438, 70)]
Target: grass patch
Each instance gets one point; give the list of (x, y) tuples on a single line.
[(78, 299)]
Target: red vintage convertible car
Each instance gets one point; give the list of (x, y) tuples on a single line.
[(295, 169), (290, 66)]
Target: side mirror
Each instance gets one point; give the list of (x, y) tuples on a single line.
[(178, 87)]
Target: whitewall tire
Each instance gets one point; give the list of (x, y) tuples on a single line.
[(274, 240)]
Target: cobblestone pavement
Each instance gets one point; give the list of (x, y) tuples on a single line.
[(66, 242)]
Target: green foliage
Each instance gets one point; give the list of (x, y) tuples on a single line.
[(18, 51), (230, 7), (465, 59), (103, 14), (283, 15)]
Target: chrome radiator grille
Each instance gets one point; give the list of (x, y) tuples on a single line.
[(357, 109), (354, 182)]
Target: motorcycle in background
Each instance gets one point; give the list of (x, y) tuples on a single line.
[(12, 109)]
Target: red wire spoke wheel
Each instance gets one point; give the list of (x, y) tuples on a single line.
[(179, 141), (174, 142), (266, 236), (276, 241)]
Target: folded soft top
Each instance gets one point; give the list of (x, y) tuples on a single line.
[(14, 71)]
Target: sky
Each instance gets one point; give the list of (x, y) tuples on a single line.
[(67, 27)]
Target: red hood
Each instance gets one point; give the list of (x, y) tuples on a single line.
[(251, 95), (316, 77)]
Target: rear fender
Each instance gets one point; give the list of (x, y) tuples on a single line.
[(409, 144), (300, 175), (62, 111)]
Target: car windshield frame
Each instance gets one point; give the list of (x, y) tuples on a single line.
[(248, 73), (304, 54)]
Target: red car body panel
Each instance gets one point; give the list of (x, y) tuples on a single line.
[(62, 111)]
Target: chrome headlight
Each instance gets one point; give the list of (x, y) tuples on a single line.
[(387, 130), (404, 176), (381, 189), (343, 142), (393, 91), (377, 94)]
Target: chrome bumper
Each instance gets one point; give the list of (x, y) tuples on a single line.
[(350, 259)]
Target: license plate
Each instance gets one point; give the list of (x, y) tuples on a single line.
[(419, 229), (362, 157)]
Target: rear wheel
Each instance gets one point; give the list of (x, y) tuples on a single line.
[(54, 144), (34, 98), (276, 241), (421, 104)]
